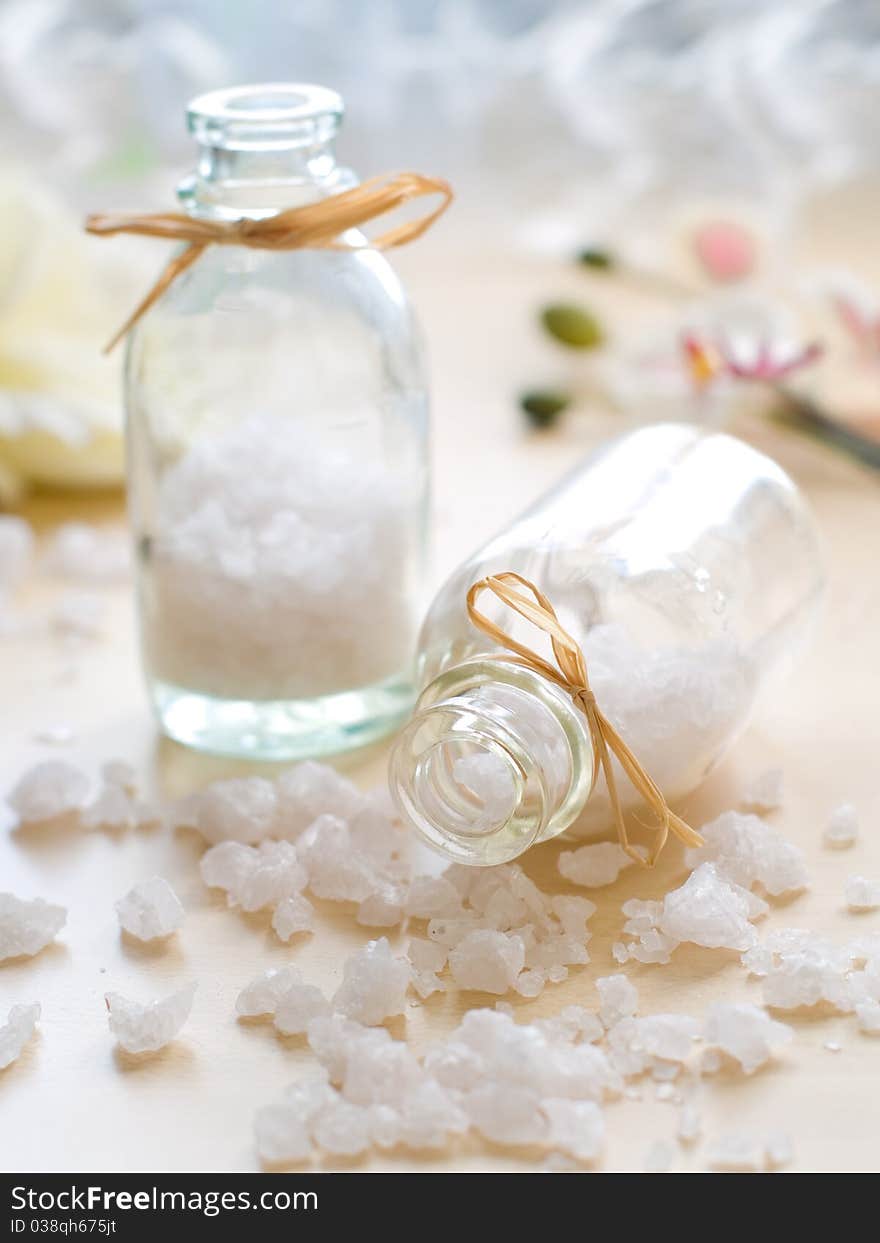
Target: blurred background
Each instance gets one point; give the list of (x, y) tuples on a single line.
[(686, 146)]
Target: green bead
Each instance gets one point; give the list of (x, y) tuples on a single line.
[(594, 257), (572, 325), (542, 407)]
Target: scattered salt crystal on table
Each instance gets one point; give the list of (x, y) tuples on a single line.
[(593, 866), (374, 985), (635, 1042), (87, 553), (431, 897), (803, 969), (27, 926), (778, 1150), (79, 615), (746, 1033), (382, 909), (659, 1157), (297, 1005), (862, 894), (227, 866), (689, 1123), (736, 1152), (833, 1046), (261, 995), (16, 550), (747, 851), (148, 1028), (49, 790), (275, 875), (868, 1015), (343, 1128), (121, 774), (293, 915), (618, 999), (337, 871), (150, 910), (20, 1025), (764, 792), (707, 910), (284, 1131), (575, 1127), (242, 809), (112, 809), (309, 790), (507, 1114), (487, 961), (842, 829)]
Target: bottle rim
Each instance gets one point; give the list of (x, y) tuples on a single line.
[(264, 115)]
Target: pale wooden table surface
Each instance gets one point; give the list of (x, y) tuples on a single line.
[(72, 1104)]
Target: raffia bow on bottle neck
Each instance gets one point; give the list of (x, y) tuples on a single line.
[(315, 226), (570, 673)]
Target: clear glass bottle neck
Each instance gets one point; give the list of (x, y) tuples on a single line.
[(494, 759), (262, 149)]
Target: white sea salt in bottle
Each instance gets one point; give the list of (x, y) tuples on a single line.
[(685, 564), (277, 420)]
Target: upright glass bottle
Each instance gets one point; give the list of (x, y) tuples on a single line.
[(685, 564), (278, 476)]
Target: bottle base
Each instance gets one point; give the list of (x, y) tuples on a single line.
[(282, 729)]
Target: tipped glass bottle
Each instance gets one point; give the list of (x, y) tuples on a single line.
[(685, 564), (278, 476)]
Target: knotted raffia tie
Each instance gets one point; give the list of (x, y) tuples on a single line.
[(317, 226), (570, 672)]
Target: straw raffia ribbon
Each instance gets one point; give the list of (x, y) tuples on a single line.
[(316, 226), (570, 673)]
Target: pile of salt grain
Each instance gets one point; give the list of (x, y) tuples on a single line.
[(492, 930), (279, 571)]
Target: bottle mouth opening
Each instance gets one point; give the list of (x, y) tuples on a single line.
[(265, 115), (473, 784), (469, 788)]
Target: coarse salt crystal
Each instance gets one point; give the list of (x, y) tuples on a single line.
[(293, 915), (868, 1015), (242, 809), (746, 1033), (148, 1028), (297, 1006), (487, 961), (27, 926), (284, 1131), (842, 829), (593, 866), (309, 790), (862, 894), (87, 553), (763, 792), (659, 1157), (336, 870), (79, 615), (20, 1025), (576, 1127), (374, 985), (618, 999), (16, 550), (747, 851), (150, 910), (736, 1152), (708, 911), (112, 809), (689, 1123), (48, 791), (261, 995)]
